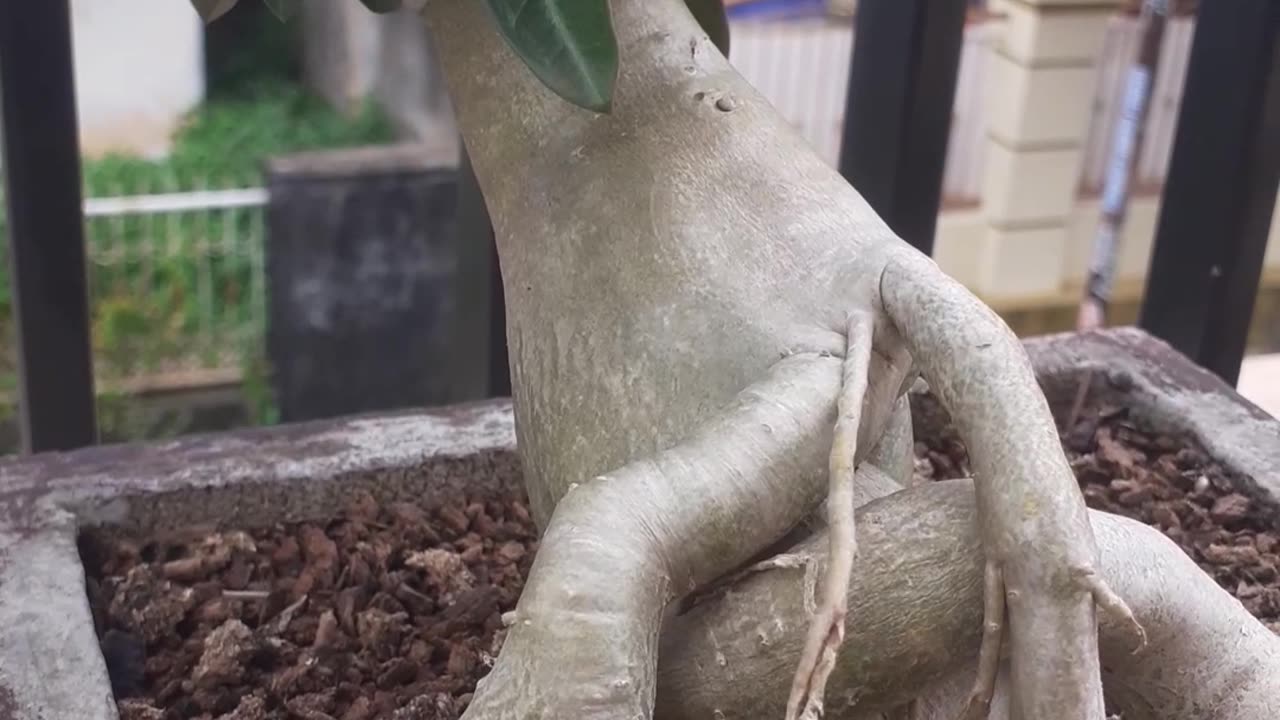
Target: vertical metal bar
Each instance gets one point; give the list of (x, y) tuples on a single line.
[(1221, 189), (46, 232), (902, 86)]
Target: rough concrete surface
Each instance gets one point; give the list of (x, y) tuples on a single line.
[(1169, 391), (50, 665), (258, 475)]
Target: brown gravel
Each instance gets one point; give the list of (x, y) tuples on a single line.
[(395, 611), (1166, 482), (382, 612)]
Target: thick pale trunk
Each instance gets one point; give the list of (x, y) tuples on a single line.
[(915, 622), (650, 257), (1035, 529), (624, 545), (666, 266)]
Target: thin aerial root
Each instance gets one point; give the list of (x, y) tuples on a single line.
[(1082, 394), (783, 561), (1113, 605), (811, 589), (909, 711), (826, 632), (813, 706), (993, 611)]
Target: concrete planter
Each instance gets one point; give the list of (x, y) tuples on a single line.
[(50, 663)]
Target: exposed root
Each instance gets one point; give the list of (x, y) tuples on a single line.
[(1082, 394), (778, 562), (784, 561), (1030, 507), (811, 589), (1113, 605), (621, 548), (826, 633), (984, 685), (918, 595)]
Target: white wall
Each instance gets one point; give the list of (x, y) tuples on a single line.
[(353, 55), (801, 66), (139, 69)]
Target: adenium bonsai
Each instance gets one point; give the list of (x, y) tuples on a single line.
[(711, 338)]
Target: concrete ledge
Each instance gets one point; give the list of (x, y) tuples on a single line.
[(264, 475), (1172, 393), (50, 664)]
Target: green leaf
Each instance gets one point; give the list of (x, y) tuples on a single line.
[(211, 10), (568, 44), (710, 14), (381, 6), (283, 9)]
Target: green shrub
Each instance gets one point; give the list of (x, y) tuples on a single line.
[(150, 305)]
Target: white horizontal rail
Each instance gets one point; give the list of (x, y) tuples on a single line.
[(176, 202)]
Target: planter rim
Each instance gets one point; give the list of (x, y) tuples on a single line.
[(1173, 394), (298, 471), (96, 484)]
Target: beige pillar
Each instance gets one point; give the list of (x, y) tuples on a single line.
[(352, 55), (1043, 77)]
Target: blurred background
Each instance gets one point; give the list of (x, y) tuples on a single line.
[(272, 211)]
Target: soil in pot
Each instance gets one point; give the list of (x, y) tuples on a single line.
[(395, 611), (383, 611), (1166, 481)]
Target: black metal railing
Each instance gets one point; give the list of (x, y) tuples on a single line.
[(897, 119), (1204, 274), (1224, 171), (46, 228)]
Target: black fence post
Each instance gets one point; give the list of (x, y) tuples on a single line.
[(897, 121), (46, 228), (1221, 188)]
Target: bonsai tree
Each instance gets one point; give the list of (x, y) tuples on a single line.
[(711, 338)]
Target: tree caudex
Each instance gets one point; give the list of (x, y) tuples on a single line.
[(711, 335)]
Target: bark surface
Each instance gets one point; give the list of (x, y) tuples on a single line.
[(651, 257), (680, 277), (917, 591)]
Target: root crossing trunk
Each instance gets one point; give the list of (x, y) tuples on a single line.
[(680, 276), (826, 632)]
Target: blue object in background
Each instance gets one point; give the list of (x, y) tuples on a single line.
[(777, 9)]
